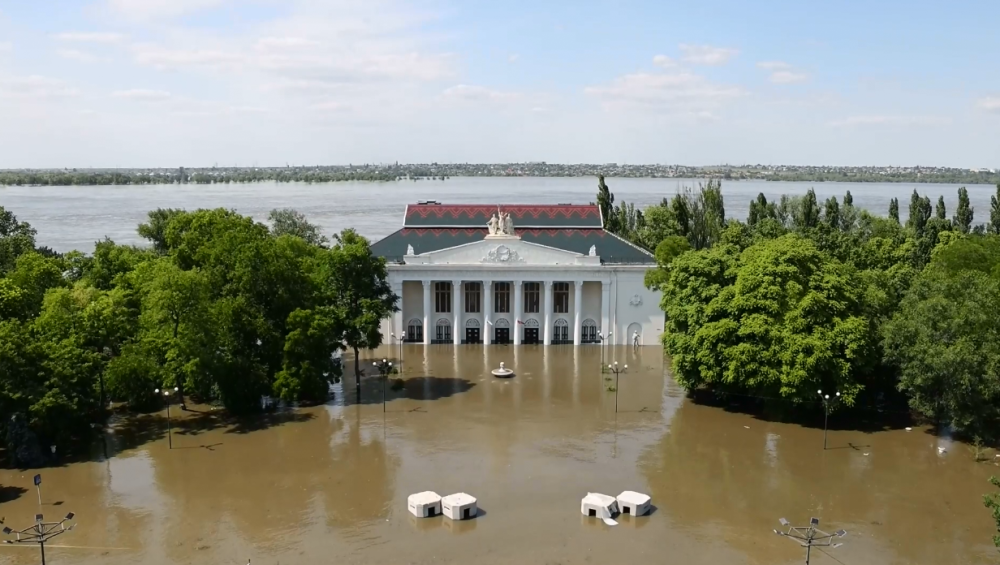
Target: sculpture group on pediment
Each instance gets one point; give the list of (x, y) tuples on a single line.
[(500, 225)]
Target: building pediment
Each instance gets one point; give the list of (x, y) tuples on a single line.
[(500, 251)]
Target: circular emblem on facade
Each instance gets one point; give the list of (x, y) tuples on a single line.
[(636, 300)]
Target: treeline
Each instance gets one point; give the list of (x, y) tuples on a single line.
[(923, 177), (88, 178), (807, 295), (223, 308)]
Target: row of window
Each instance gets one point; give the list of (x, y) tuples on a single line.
[(442, 331), (501, 297)]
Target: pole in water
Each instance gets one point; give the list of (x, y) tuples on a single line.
[(38, 487)]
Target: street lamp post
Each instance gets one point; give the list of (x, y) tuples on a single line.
[(826, 409), (617, 371), (40, 532), (166, 397), (810, 537), (399, 354), (384, 368)]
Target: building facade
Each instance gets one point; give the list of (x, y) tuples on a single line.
[(522, 274)]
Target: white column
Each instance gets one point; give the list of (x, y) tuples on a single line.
[(517, 313), (487, 312), (427, 312), (605, 310), (577, 308), (547, 308), (398, 326), (456, 311)]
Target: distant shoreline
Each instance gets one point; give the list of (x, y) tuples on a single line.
[(439, 173)]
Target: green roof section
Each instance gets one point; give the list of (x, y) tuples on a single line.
[(437, 215), (610, 248)]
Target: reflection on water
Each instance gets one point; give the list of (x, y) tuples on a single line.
[(329, 483)]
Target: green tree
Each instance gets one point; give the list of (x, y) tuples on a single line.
[(992, 502), (780, 319), (939, 210), (155, 229), (920, 212), (606, 201), (831, 212), (945, 337), (682, 213), (292, 222), (16, 239), (963, 215), (894, 210), (994, 227), (359, 287), (309, 368), (759, 210), (669, 249)]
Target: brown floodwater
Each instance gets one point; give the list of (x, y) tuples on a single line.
[(329, 484)]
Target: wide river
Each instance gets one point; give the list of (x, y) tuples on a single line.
[(329, 484), (74, 217)]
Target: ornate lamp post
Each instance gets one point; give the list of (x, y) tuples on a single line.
[(384, 368), (617, 371), (603, 338), (40, 532), (399, 354), (810, 537), (827, 401), (166, 398)]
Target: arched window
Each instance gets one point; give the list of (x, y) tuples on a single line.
[(634, 334), (442, 331), (531, 323), (415, 330), (561, 334), (589, 332), (502, 323), (472, 323)]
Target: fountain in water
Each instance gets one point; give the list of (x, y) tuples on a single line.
[(503, 372)]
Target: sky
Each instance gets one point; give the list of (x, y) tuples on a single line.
[(166, 83)]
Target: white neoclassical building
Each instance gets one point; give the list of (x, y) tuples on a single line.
[(521, 274)]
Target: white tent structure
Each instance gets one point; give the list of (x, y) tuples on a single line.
[(459, 506), (425, 504), (600, 506), (634, 503)]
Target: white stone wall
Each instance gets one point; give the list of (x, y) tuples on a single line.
[(624, 314)]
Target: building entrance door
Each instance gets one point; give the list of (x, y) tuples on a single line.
[(530, 336), (502, 336), (472, 335)]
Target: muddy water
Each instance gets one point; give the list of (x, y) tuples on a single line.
[(329, 484)]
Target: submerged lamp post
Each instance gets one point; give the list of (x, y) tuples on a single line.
[(603, 338), (40, 532), (827, 401), (384, 368), (166, 397), (810, 537), (399, 354), (614, 369)]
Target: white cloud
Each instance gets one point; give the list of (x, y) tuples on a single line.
[(284, 43), (158, 9), (782, 73), (513, 57), (788, 77), (6, 47), (672, 93), (469, 93), (173, 59), (142, 94), (989, 104), (90, 37), (706, 54), (664, 62), (773, 65), (78, 56), (36, 87), (904, 121)]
